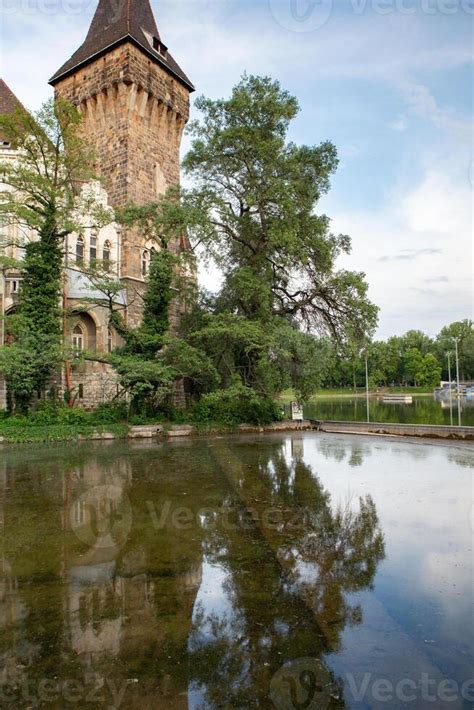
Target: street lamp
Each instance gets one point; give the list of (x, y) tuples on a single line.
[(450, 388), (367, 386), (456, 340)]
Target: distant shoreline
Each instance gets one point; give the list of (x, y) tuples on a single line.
[(287, 397)]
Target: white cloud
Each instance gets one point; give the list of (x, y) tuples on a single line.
[(400, 124), (422, 102), (216, 41), (440, 207), (423, 236)]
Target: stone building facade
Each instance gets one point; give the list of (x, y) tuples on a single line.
[(135, 104)]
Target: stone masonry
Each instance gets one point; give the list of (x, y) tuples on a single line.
[(134, 117), (134, 99)]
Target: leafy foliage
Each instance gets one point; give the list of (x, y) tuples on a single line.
[(267, 356), (464, 332), (234, 405), (40, 195), (405, 360), (253, 211), (151, 360)]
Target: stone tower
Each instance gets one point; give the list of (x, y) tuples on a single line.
[(135, 101)]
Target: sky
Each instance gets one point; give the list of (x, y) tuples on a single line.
[(389, 82)]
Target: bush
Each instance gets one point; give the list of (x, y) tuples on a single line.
[(236, 405), (46, 414), (53, 414), (14, 420), (109, 414), (76, 417)]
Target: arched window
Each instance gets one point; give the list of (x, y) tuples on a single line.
[(145, 262), (110, 340), (106, 255), (78, 339), (80, 251), (93, 247)]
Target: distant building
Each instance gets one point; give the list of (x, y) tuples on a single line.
[(135, 102)]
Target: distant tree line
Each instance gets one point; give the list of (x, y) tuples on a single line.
[(413, 359)]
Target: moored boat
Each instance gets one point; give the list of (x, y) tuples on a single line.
[(397, 399)]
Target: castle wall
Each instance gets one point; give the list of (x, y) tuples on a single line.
[(134, 117)]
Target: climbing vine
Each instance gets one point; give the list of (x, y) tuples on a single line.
[(40, 197)]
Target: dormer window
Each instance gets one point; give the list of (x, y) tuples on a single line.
[(159, 47)]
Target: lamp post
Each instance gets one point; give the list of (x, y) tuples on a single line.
[(456, 340), (450, 389), (367, 386)]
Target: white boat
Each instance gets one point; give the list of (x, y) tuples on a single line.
[(397, 399)]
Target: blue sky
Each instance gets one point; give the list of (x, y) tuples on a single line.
[(390, 82)]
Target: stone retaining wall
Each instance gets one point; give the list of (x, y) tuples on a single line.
[(429, 431)]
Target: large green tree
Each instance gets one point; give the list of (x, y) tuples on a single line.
[(255, 200), (253, 210)]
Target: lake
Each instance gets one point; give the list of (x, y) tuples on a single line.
[(423, 410), (283, 571)]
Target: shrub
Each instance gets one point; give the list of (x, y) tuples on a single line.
[(109, 414), (76, 417), (15, 420), (46, 414), (236, 405)]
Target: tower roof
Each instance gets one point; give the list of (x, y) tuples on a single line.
[(8, 102), (115, 23)]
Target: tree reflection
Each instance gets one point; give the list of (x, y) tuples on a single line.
[(289, 582), (340, 449), (338, 555)]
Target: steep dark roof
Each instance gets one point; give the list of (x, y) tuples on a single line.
[(117, 22), (8, 102)]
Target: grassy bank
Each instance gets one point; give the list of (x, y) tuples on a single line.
[(215, 412), (52, 423), (23, 434)]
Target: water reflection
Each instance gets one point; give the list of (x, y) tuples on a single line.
[(423, 410), (288, 604), (339, 449), (176, 576)]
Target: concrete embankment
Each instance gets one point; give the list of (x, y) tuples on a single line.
[(428, 431)]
